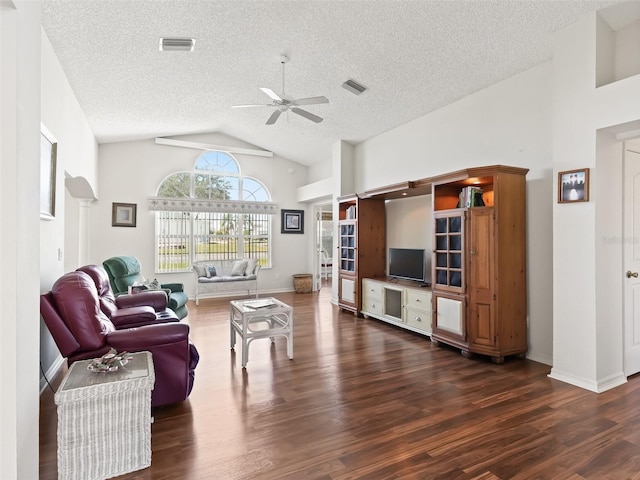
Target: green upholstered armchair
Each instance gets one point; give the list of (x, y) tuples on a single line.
[(124, 271)]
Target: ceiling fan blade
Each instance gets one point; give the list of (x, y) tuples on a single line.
[(253, 105), (272, 94), (274, 116), (310, 101), (305, 114)]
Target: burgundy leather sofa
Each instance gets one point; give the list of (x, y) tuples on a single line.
[(81, 330)]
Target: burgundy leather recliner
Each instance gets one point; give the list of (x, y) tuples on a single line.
[(146, 307), (73, 315)]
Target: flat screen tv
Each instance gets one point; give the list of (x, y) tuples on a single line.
[(407, 263)]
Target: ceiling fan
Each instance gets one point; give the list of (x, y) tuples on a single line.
[(284, 103)]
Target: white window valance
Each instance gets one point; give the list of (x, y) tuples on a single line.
[(205, 205)]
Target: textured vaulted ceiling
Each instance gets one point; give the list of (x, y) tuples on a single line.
[(414, 57)]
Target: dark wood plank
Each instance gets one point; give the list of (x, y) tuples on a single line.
[(363, 399)]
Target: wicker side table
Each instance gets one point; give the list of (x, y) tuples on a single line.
[(104, 420), (264, 318)]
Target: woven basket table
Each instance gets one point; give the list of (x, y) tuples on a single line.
[(104, 420)]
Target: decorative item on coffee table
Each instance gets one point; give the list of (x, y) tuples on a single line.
[(109, 362)]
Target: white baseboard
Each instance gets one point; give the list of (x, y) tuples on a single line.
[(51, 372), (540, 358), (239, 295), (598, 385)]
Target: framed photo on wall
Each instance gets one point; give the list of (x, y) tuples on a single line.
[(123, 215), (48, 161), (292, 221), (573, 186)]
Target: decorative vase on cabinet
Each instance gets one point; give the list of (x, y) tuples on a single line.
[(479, 261)]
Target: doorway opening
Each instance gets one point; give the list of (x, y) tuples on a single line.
[(325, 248)]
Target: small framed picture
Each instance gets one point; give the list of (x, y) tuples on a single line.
[(573, 186), (123, 215), (292, 221)]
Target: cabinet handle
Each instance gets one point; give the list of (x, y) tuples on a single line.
[(417, 300), (418, 319), (472, 252), (632, 274)]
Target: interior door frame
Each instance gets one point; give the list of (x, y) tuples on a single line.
[(318, 210), (317, 242), (630, 289)]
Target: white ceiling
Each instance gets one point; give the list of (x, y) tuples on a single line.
[(414, 57)]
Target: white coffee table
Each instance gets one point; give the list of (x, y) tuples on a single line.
[(262, 318)]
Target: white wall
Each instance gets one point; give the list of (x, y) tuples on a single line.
[(608, 197), (574, 225), (320, 171), (627, 60), (19, 207), (130, 172), (316, 191), (20, 97), (587, 269), (409, 225), (605, 53), (507, 123), (77, 156)]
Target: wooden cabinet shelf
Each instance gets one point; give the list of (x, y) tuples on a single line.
[(479, 263), (361, 246)]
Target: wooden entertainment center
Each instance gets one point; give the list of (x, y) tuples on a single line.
[(478, 300)]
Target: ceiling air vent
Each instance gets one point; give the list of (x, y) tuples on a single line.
[(177, 44), (354, 87)]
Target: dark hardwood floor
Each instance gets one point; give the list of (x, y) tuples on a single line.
[(364, 400)]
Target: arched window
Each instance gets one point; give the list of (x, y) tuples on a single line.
[(209, 213)]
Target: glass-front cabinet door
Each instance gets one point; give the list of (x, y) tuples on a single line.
[(448, 255), (348, 246)]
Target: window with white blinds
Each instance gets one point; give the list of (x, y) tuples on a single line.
[(218, 231)]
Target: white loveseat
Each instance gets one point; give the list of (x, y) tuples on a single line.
[(233, 276)]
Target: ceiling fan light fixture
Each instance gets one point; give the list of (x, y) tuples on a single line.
[(354, 87), (177, 44), (285, 103)]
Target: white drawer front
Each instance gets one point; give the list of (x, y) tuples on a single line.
[(421, 300), (372, 305), (372, 289), (420, 319)]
